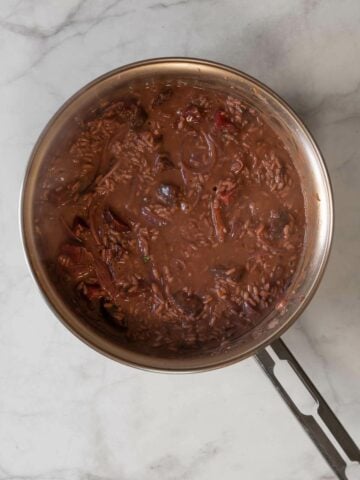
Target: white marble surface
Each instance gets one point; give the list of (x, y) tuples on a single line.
[(65, 411)]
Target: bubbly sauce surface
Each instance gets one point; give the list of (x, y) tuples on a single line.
[(174, 217)]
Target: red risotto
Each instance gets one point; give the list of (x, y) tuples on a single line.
[(174, 217)]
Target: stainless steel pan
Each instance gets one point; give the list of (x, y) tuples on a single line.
[(319, 213)]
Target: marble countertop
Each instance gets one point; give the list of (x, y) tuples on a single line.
[(66, 412)]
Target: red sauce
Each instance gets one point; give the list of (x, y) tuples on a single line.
[(174, 218)]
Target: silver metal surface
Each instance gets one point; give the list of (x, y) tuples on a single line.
[(333, 441)]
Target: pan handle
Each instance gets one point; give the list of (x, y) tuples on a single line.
[(322, 425)]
